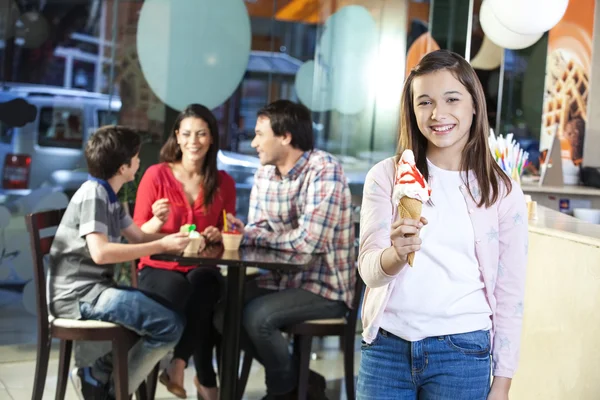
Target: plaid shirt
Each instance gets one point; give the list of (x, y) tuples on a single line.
[(307, 211)]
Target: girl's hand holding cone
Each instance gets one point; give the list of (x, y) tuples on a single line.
[(405, 237)]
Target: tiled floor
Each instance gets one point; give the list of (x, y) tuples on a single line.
[(18, 352), (16, 375)]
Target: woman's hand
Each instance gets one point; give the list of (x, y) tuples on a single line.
[(212, 234), (161, 209), (235, 223), (405, 237), (202, 244)]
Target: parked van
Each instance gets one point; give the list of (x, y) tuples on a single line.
[(50, 148), (48, 152)]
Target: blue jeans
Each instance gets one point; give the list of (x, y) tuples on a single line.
[(159, 328), (451, 367), (265, 313)]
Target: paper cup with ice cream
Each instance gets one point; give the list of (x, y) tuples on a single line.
[(410, 191), (196, 240), (231, 240)]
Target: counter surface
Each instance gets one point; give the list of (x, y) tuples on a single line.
[(557, 224), (567, 189)]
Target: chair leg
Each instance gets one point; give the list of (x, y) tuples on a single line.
[(64, 360), (152, 380), (41, 366), (120, 348), (302, 346), (244, 374), (349, 365), (142, 392)]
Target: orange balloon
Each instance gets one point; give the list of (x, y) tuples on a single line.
[(423, 45)]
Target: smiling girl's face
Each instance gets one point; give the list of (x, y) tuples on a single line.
[(444, 110)]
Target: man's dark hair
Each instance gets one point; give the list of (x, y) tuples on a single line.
[(287, 116), (110, 147)]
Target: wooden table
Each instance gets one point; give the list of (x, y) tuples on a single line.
[(237, 261)]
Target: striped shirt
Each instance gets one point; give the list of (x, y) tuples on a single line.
[(73, 276), (308, 210)]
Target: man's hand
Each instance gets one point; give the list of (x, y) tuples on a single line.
[(235, 223), (161, 209), (175, 243)]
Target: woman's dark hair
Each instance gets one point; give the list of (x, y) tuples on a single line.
[(476, 155), (171, 152), (287, 116), (109, 148)]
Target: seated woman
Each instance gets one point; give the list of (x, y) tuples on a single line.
[(187, 188)]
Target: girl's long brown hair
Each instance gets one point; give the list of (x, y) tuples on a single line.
[(170, 152), (476, 155)]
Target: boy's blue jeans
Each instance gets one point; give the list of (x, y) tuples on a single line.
[(451, 367), (159, 328)]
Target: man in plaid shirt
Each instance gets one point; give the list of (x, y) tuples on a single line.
[(300, 202)]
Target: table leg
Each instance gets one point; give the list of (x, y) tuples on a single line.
[(230, 350)]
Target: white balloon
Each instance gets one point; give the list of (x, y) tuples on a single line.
[(501, 35), (528, 17), (489, 56), (193, 51), (341, 74), (348, 45), (316, 98)]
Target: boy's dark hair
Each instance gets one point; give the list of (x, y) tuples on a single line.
[(287, 116), (110, 147)]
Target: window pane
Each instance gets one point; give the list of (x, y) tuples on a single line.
[(60, 127)]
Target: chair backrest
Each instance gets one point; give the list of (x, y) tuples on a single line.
[(359, 287), (41, 237)]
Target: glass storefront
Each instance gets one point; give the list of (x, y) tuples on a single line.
[(80, 64)]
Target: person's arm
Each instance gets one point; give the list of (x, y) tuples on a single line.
[(94, 227), (160, 213), (316, 226), (229, 197), (509, 289), (135, 235), (103, 251), (227, 190), (146, 197), (257, 218), (376, 253)]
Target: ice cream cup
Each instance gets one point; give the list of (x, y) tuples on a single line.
[(194, 245), (185, 228), (232, 240)]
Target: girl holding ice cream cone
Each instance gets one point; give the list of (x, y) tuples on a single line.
[(443, 249), (187, 191)]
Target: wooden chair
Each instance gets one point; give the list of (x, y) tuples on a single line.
[(303, 334), (68, 330)]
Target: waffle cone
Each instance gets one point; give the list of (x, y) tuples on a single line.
[(410, 208)]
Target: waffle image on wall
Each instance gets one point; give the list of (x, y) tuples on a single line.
[(565, 103)]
